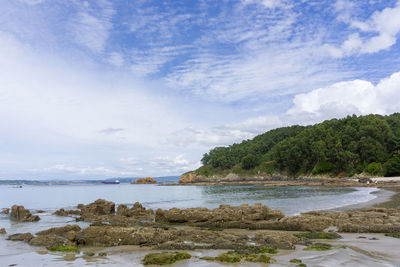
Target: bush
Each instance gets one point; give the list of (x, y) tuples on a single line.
[(249, 162), (392, 166), (374, 168), (323, 167)]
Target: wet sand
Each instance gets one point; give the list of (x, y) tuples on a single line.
[(382, 195)]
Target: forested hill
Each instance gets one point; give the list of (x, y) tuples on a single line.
[(338, 147)]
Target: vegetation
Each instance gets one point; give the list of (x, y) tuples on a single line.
[(165, 258), (319, 235), (233, 257), (64, 248), (338, 147), (257, 250), (395, 235), (322, 247)]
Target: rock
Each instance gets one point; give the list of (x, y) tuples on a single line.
[(62, 212), (5, 211), (48, 241), (39, 211), (146, 180), (277, 239), (188, 178), (21, 214), (93, 210), (137, 211), (305, 223), (3, 231), (225, 216), (26, 237), (60, 231), (166, 239)]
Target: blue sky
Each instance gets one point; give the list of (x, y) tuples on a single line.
[(92, 89)]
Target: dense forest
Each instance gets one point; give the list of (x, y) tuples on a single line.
[(338, 147)]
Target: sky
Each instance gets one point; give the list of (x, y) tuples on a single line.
[(99, 89)]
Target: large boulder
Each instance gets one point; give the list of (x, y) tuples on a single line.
[(99, 207), (21, 214), (146, 180)]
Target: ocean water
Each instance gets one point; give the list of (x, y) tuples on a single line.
[(291, 200)]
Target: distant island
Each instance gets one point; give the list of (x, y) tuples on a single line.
[(365, 146)]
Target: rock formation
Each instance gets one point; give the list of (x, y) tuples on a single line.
[(137, 211), (21, 214), (5, 211), (146, 180)]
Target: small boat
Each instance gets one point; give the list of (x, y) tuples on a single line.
[(111, 182)]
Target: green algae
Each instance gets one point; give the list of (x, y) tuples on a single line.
[(234, 257), (64, 248), (257, 250), (395, 235), (165, 258), (322, 247), (298, 262), (319, 235)]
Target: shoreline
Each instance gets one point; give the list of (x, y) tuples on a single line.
[(365, 248), (382, 196)]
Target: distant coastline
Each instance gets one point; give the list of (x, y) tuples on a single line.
[(127, 180)]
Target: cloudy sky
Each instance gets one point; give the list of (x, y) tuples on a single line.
[(93, 89)]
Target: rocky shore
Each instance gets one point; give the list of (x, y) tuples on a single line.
[(192, 178), (243, 230)]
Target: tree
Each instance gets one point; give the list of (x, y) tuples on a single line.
[(249, 162)]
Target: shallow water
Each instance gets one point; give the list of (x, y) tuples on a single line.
[(291, 200)]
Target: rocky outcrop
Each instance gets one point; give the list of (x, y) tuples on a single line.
[(259, 216), (26, 237), (60, 231), (225, 216), (58, 236), (5, 211), (21, 214), (3, 231), (62, 212), (146, 180), (97, 208), (137, 211)]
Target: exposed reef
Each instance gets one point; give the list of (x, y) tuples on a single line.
[(250, 232)]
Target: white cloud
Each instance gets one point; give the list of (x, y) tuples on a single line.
[(116, 59), (358, 97), (90, 26), (268, 3), (379, 31), (167, 164)]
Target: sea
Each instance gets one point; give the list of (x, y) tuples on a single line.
[(49, 198)]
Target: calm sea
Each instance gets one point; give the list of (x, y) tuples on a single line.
[(291, 200)]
